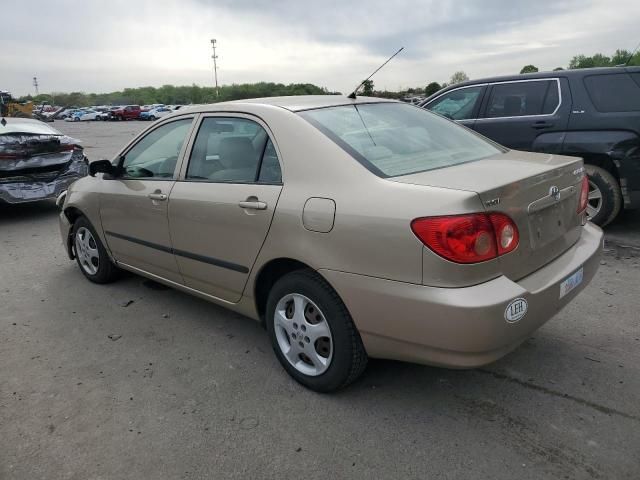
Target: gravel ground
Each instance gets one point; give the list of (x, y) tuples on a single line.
[(134, 380)]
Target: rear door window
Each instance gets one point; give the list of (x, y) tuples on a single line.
[(517, 99), (615, 92), (458, 104), (233, 150)]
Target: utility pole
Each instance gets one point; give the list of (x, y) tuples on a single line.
[(35, 84), (215, 65)]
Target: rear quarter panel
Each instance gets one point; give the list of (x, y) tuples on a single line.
[(371, 234)]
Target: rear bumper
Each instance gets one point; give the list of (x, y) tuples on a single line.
[(460, 327), (22, 192), (33, 191)]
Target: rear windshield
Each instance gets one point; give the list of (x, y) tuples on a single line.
[(393, 139)]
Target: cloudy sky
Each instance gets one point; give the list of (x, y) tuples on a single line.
[(100, 46)]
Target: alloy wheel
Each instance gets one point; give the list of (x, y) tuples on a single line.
[(594, 202), (303, 334), (87, 251)]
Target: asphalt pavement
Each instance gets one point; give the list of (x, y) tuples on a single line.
[(133, 380)]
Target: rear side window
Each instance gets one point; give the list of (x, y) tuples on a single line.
[(616, 92), (518, 99)]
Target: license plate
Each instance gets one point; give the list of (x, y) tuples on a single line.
[(571, 282)]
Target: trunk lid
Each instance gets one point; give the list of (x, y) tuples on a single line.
[(539, 192), (38, 156)]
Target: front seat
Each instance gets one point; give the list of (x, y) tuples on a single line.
[(239, 159)]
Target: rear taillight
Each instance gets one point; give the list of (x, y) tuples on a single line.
[(584, 195), (507, 236), (471, 238)]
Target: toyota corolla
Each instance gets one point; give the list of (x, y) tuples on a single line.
[(351, 228)]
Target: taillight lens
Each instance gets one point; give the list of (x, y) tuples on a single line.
[(584, 195), (506, 232), (471, 238)]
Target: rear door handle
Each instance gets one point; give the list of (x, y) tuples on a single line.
[(157, 196), (542, 124), (253, 205)]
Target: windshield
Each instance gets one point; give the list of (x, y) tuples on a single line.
[(393, 139)]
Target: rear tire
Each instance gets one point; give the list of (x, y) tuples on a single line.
[(91, 256), (306, 305), (605, 197)]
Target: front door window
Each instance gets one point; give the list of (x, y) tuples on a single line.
[(457, 104), (156, 155)]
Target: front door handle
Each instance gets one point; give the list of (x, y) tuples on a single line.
[(253, 205), (542, 124), (157, 196)]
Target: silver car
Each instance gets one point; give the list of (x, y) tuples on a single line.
[(37, 162), (349, 228)]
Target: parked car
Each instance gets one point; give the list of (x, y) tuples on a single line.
[(128, 112), (108, 113), (83, 116), (351, 228), (155, 113), (592, 113), (67, 113), (37, 162)]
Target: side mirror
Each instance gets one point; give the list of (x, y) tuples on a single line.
[(101, 166)]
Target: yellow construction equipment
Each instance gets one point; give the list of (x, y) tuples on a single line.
[(11, 108)]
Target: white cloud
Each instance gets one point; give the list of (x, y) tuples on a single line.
[(99, 46)]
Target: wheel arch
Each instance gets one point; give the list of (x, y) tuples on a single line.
[(268, 275), (603, 161), (72, 214)]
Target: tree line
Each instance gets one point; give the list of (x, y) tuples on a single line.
[(193, 94), (620, 57), (176, 95)]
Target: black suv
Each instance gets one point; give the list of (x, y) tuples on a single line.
[(592, 113)]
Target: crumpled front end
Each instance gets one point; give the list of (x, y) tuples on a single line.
[(38, 167)]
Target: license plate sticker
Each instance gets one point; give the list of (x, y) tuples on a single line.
[(571, 282)]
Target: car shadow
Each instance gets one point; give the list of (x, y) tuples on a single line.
[(625, 229), (18, 212)]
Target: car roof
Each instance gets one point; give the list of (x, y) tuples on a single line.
[(529, 76), (30, 125), (295, 103)]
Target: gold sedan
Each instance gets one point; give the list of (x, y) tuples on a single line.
[(352, 228)]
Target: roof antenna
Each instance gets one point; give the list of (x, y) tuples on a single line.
[(626, 64), (352, 95)]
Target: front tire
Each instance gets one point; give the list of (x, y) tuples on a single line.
[(91, 256), (312, 333), (605, 197)]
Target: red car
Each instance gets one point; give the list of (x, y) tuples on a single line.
[(130, 112)]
